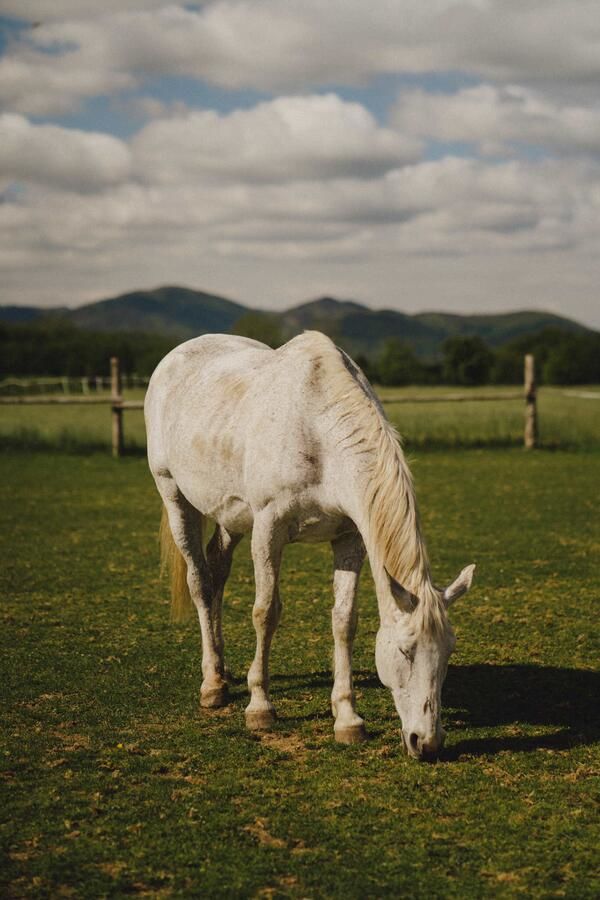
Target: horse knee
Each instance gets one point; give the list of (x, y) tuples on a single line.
[(344, 619), (266, 613)]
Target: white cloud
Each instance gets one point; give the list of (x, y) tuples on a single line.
[(451, 234), (496, 117), (299, 44), (452, 207), (39, 84), (287, 138), (60, 157), (52, 10), (279, 244), (307, 192)]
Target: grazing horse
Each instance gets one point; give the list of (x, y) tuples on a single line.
[(293, 445)]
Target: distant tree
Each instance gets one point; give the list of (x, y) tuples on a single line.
[(398, 364), (576, 360), (432, 373), (57, 347), (562, 357), (507, 367), (467, 360), (264, 327)]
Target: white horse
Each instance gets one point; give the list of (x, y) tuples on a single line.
[(293, 445)]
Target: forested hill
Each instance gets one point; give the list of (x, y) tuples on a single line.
[(182, 313), (364, 330), (173, 310)]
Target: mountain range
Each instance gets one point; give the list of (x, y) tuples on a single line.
[(184, 313)]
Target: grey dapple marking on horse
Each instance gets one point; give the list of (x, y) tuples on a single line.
[(293, 445)]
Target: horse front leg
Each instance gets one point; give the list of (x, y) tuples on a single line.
[(267, 546), (348, 557)]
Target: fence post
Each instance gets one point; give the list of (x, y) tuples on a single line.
[(531, 423), (117, 411)]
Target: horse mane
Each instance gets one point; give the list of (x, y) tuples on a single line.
[(394, 538)]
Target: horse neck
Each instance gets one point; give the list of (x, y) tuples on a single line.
[(384, 508), (372, 478)]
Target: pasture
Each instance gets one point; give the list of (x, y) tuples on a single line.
[(567, 420), (114, 783)]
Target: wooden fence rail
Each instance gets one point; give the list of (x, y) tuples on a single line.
[(40, 400), (66, 385), (454, 398), (118, 405)]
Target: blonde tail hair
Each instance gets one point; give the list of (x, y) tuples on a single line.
[(173, 562)]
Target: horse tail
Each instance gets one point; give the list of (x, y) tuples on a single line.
[(173, 562)]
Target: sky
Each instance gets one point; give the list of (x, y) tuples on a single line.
[(439, 155)]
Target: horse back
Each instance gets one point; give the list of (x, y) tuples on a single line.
[(231, 418)]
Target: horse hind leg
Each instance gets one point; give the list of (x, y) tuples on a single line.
[(219, 557), (185, 523)]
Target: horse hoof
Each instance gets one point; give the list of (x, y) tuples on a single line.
[(259, 719), (214, 698), (350, 734)]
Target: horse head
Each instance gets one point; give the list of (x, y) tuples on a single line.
[(412, 652)]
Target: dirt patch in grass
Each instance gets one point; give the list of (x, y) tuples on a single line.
[(258, 829), (291, 744)]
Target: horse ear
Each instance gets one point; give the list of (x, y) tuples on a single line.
[(403, 598), (460, 586)]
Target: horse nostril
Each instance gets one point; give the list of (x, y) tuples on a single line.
[(414, 743)]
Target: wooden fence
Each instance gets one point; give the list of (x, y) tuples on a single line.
[(530, 435), (119, 406), (67, 385), (115, 400)]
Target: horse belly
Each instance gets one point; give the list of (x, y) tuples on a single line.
[(319, 528), (234, 514), (217, 493)]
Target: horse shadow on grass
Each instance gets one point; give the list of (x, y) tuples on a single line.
[(481, 696), (492, 696)]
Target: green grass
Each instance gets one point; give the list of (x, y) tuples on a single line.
[(565, 421), (114, 783), (76, 428)]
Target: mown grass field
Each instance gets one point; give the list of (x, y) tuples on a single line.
[(115, 784), (567, 420)]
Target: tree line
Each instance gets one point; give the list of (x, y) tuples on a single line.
[(56, 347), (562, 357), (60, 348)]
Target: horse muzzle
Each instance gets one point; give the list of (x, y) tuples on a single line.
[(424, 748)]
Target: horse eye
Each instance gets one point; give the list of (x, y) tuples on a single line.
[(406, 655)]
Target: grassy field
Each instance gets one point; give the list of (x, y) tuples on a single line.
[(115, 784), (76, 428), (566, 421)]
